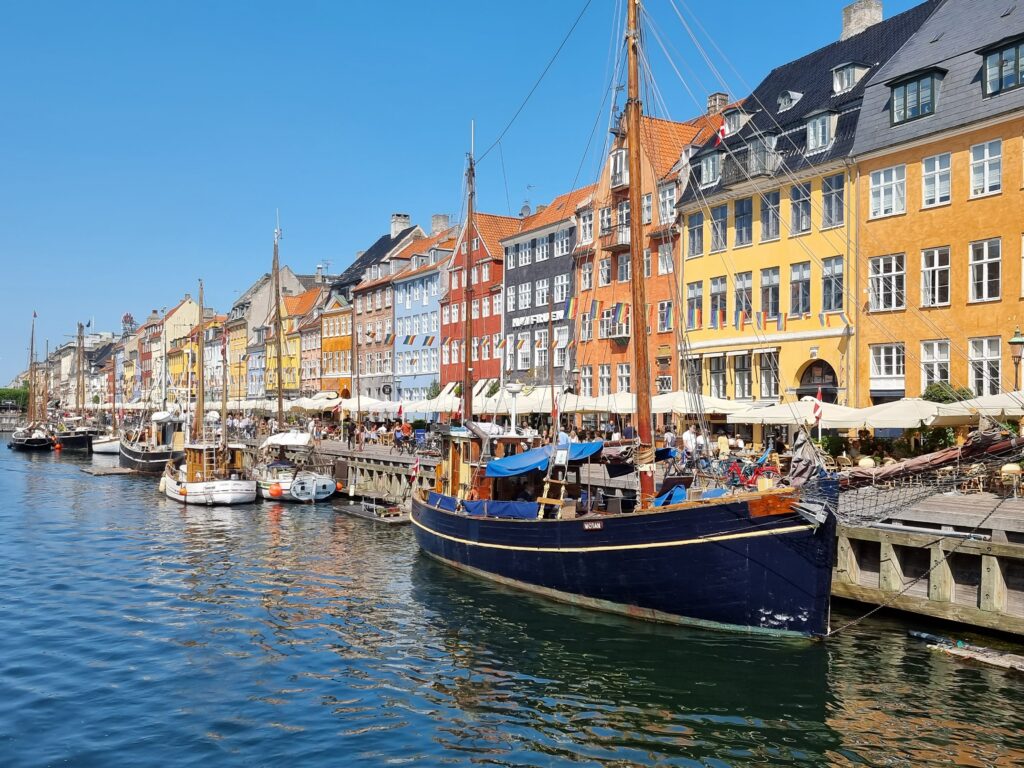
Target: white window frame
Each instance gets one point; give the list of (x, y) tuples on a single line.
[(984, 261), (819, 133), (985, 363), (623, 377), (525, 295), (664, 316), (587, 275), (934, 362), (887, 288), (936, 175), (888, 192), (935, 276), (587, 226), (987, 168), (666, 262)]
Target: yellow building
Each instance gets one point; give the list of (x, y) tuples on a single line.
[(336, 346), (293, 309), (939, 169)]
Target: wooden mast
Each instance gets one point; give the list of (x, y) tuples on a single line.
[(638, 312), (80, 374), (32, 371), (276, 274), (224, 389), (551, 365), (467, 321), (199, 420)]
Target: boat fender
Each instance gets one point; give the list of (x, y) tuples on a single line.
[(58, 447), (339, 487), (183, 491), (275, 491), (163, 484)]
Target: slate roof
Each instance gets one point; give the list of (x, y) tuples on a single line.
[(949, 39), (384, 245), (811, 76)]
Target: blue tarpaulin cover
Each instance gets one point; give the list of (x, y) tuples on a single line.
[(676, 495), (522, 510), (447, 503), (537, 458)]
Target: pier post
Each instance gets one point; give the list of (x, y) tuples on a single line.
[(890, 572), (847, 568), (940, 580), (993, 584)]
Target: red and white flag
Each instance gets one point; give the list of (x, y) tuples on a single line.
[(399, 411), (415, 470), (722, 131), (816, 410)]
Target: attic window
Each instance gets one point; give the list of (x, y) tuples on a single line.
[(845, 77), (1004, 68), (733, 122), (820, 130), (710, 169), (913, 98), (787, 99)]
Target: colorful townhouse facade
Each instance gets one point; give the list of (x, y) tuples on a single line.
[(770, 228), (373, 314), (310, 353), (939, 169), (336, 345), (293, 310), (538, 280), (478, 256)]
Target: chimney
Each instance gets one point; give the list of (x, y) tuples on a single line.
[(540, 207), (860, 15), (438, 223), (399, 221), (319, 273), (359, 254), (717, 101)]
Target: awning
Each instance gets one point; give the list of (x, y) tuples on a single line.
[(537, 458), (292, 439)]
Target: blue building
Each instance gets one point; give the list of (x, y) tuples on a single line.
[(417, 317)]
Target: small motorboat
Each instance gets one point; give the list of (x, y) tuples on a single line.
[(290, 469), (107, 444), (33, 437), (209, 473)]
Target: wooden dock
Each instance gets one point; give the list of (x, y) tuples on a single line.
[(941, 558), (107, 471)]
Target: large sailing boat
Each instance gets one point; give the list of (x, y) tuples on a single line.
[(288, 467), (72, 433), (758, 562), (34, 435), (210, 471)]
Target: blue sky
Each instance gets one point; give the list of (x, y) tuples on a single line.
[(146, 145)]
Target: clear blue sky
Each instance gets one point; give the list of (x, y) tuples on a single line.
[(146, 145)]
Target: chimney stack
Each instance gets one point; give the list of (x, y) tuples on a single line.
[(438, 223), (717, 102), (319, 273), (399, 222), (860, 15)]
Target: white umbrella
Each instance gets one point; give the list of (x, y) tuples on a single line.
[(800, 412), (908, 413), (1006, 404), (682, 402)]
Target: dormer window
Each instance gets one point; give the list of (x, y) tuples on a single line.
[(819, 132), (913, 98), (710, 169), (733, 122), (846, 76), (619, 168), (787, 99), (1004, 68)]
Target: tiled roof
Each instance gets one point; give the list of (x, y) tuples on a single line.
[(297, 306), (421, 245), (562, 207), (492, 229), (384, 245), (663, 140)]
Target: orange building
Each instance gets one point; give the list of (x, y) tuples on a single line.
[(336, 345)]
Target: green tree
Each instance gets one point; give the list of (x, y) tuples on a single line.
[(941, 392), (433, 390), (17, 396)]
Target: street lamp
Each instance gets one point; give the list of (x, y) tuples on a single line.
[(513, 388), (1016, 345)]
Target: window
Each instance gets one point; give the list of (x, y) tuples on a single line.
[(800, 209), (733, 121), (1004, 69), (770, 216), (769, 362), (716, 375), (510, 299), (935, 277), (586, 275), (744, 221), (664, 384), (888, 191), (510, 352), (510, 257), (986, 168), (887, 361), (485, 274), (985, 365), (541, 293), (770, 292), (525, 354), (665, 261), (710, 169), (819, 132), (985, 270), (563, 242), (719, 221), (742, 293), (666, 203), (694, 305), (622, 218), (587, 380), (586, 326), (606, 324), (934, 362), (648, 209), (604, 273), (935, 180), (886, 282), (455, 279), (694, 378), (647, 262), (622, 269), (664, 316), (606, 220), (525, 296), (455, 313), (541, 350), (543, 249), (622, 378), (604, 379), (832, 194), (741, 376), (787, 99), (695, 234), (913, 99), (561, 344), (800, 288), (587, 226), (561, 288), (844, 78), (619, 168), (474, 308), (832, 284), (718, 301), (475, 349)]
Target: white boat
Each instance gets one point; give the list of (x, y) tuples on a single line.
[(107, 444), (209, 473), (290, 469)]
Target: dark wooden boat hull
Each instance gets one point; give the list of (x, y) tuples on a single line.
[(145, 460), (31, 444), (77, 442), (714, 565)]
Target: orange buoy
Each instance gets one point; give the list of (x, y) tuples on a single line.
[(183, 491), (339, 487), (58, 447), (275, 491)]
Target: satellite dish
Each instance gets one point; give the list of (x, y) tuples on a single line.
[(525, 210)]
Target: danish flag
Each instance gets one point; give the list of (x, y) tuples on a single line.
[(816, 410), (722, 130)]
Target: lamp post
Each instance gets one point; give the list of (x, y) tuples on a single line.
[(513, 388), (1016, 345)]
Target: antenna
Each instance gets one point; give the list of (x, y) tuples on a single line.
[(277, 227), (472, 135)]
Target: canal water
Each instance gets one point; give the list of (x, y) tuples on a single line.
[(137, 632)]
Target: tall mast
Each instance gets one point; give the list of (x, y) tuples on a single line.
[(638, 312), (32, 371), (467, 321), (551, 364), (80, 373), (276, 273), (224, 386), (199, 420), (355, 361)]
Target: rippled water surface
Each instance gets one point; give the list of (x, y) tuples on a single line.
[(138, 632)]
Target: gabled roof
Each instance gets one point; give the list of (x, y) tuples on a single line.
[(492, 229), (663, 140), (561, 208), (384, 245), (297, 306)]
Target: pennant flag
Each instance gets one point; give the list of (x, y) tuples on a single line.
[(571, 344), (389, 338), (816, 410), (415, 467), (780, 321), (502, 343), (759, 320), (400, 410), (736, 318), (823, 319), (595, 306), (743, 320), (570, 307), (521, 343), (428, 340)]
